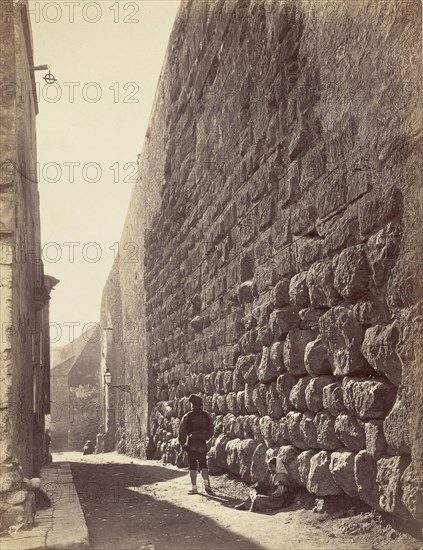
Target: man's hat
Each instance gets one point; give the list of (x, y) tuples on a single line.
[(195, 400)]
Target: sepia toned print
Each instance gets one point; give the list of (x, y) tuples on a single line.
[(210, 264)]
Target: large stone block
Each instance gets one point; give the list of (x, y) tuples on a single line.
[(388, 478), (316, 359), (333, 398), (280, 294), (229, 425), (308, 430), (320, 279), (258, 463), (325, 429), (352, 273), (293, 352), (269, 369), (232, 455), (412, 492), (294, 429), (314, 392), (266, 425), (320, 479), (385, 205), (342, 469), (379, 348), (284, 385), (343, 337), (220, 450), (396, 426), (368, 398), (297, 395), (350, 431), (283, 320), (376, 444), (304, 466), (298, 290), (280, 431), (232, 403), (365, 470), (309, 318), (260, 398), (289, 454), (382, 250), (245, 454), (250, 406)]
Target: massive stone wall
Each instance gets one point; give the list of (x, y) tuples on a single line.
[(278, 224)]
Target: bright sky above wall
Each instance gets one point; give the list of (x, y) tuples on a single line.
[(106, 57)]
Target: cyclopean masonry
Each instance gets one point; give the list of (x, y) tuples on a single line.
[(270, 256)]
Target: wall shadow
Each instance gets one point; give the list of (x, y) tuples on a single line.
[(120, 518)]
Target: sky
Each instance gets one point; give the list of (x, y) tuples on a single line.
[(106, 57)]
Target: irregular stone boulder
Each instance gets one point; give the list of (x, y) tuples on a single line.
[(308, 430), (268, 370), (325, 429), (342, 469), (333, 399), (297, 395), (412, 492), (289, 454), (250, 406), (320, 480), (254, 422), (372, 310), (316, 358), (350, 430), (232, 403), (343, 336), (274, 407), (298, 290), (280, 432), (232, 455), (240, 398), (276, 357), (396, 426), (303, 466), (220, 450), (258, 463), (352, 272), (294, 429), (259, 398), (379, 348), (365, 470), (280, 294), (382, 249), (284, 385), (314, 392), (283, 320), (293, 351), (309, 318), (245, 453), (376, 444), (320, 279), (266, 425), (388, 479), (368, 398), (229, 425)]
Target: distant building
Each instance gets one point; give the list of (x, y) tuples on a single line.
[(76, 412), (24, 289)]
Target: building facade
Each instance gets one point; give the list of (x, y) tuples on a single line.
[(25, 289)]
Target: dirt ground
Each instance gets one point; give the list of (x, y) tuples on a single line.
[(132, 504)]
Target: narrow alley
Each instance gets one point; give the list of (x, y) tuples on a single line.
[(134, 504)]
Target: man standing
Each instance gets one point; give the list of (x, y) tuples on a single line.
[(196, 427)]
